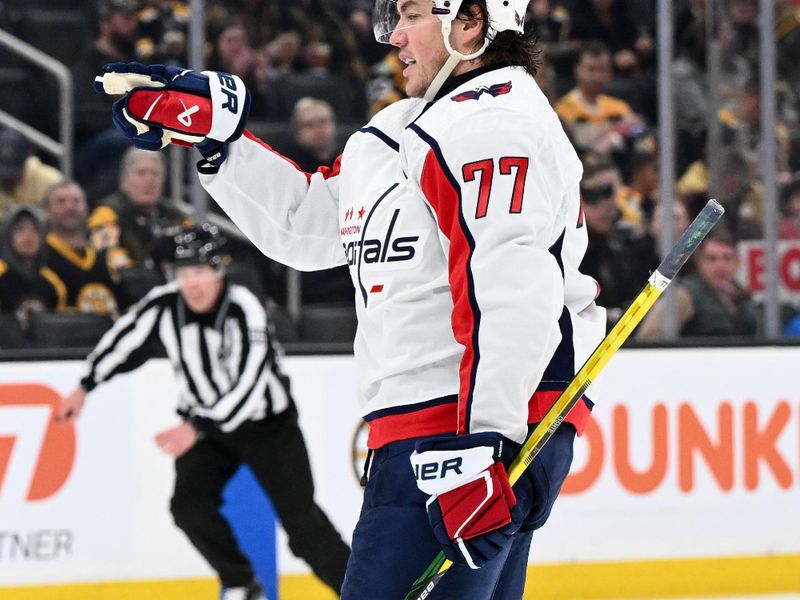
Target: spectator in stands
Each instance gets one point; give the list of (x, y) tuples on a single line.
[(552, 26), (608, 255), (115, 41), (139, 204), (314, 130), (637, 200), (710, 301), (789, 225), (645, 251), (90, 282), (594, 120), (283, 52), (232, 52), (24, 178), (26, 284), (690, 83), (105, 234), (386, 84), (787, 37), (315, 146), (163, 32), (360, 21), (611, 22), (741, 130)]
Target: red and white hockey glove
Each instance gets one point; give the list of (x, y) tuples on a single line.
[(471, 506), (163, 105)]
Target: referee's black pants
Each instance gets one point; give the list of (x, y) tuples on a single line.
[(274, 450)]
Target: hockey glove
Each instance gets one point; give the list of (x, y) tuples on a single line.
[(471, 506), (164, 105)]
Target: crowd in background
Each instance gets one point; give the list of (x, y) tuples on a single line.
[(316, 73)]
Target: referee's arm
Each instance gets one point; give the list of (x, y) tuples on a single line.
[(129, 342)]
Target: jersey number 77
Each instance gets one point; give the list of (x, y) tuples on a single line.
[(518, 165)]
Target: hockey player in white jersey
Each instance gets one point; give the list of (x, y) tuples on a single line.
[(459, 215)]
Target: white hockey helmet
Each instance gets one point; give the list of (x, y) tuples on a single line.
[(503, 15)]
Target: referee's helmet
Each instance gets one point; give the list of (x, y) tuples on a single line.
[(198, 245)]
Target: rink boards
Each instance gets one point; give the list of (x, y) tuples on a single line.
[(687, 481)]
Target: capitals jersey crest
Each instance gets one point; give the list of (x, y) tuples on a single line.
[(495, 90)]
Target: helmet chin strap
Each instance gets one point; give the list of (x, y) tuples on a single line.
[(450, 64)]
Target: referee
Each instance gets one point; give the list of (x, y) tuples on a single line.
[(236, 408)]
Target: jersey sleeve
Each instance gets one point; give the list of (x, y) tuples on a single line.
[(128, 344), (499, 212), (290, 215)]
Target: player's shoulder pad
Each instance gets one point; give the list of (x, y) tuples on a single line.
[(395, 117)]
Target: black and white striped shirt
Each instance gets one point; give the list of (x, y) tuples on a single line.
[(226, 362)]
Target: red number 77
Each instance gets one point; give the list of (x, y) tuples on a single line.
[(486, 169)]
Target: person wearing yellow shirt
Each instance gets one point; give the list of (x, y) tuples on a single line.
[(594, 120), (24, 178)]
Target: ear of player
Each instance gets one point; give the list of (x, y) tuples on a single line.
[(471, 506), (169, 105)]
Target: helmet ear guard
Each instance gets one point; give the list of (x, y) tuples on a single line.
[(502, 15)]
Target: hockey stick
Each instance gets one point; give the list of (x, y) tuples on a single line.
[(658, 282)]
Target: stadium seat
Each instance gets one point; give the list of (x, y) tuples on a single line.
[(16, 91), (245, 274), (329, 323), (278, 134), (59, 33), (10, 332), (67, 330), (138, 281), (347, 102), (285, 329)]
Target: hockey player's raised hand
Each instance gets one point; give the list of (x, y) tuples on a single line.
[(472, 508), (163, 105)]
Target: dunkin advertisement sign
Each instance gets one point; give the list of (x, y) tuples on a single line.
[(690, 453)]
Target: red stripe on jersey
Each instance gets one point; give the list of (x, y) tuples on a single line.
[(442, 420), (376, 289), (416, 423), (327, 172), (541, 402), (249, 135), (444, 200)]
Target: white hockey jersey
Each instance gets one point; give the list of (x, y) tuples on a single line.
[(462, 226)]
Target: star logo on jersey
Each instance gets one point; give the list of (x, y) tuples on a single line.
[(361, 213), (498, 89)]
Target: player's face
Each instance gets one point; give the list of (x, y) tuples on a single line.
[(200, 287), (418, 35)]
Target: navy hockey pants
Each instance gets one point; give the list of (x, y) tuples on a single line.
[(393, 542)]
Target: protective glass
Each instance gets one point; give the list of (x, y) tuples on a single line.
[(386, 16)]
